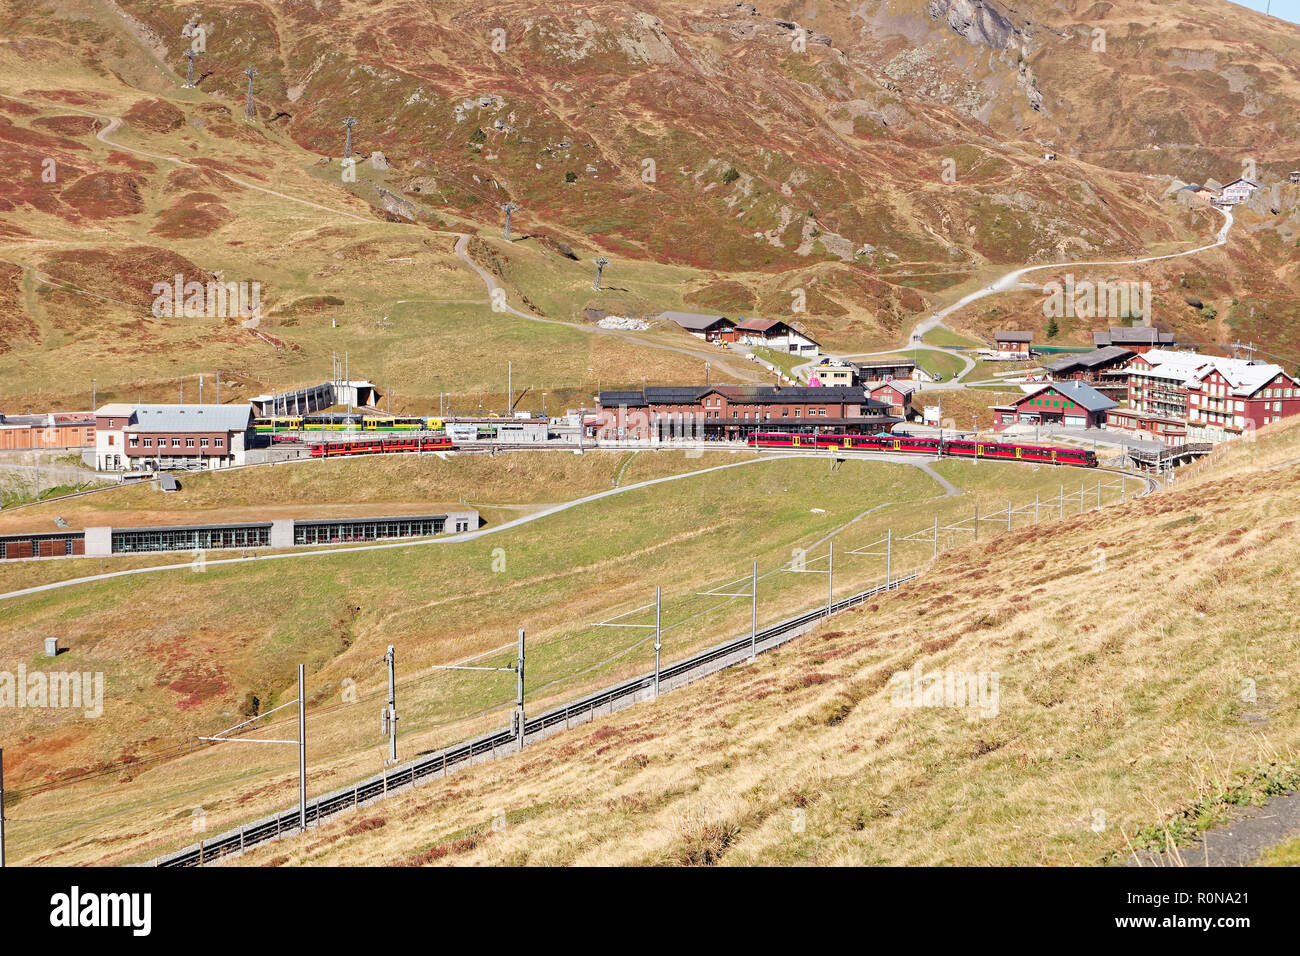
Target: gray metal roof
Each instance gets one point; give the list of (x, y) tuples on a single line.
[(736, 394), (192, 418), (1013, 336), (1128, 335), (1091, 359), (695, 321), (1081, 393)]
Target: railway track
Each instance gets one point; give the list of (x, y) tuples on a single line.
[(491, 745), (434, 765)]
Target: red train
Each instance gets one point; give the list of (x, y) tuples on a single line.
[(380, 446), (929, 446)]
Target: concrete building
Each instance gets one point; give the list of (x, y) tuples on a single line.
[(776, 335), (162, 437), (53, 430), (834, 373), (1073, 404)]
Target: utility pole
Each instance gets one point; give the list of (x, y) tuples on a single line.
[(189, 67), (200, 389), (302, 753), (510, 208), (218, 386), (2, 807), (391, 714), (935, 553), (510, 387), (250, 113), (1008, 516), (94, 394), (1061, 503), (601, 262)]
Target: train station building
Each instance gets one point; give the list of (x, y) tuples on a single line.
[(732, 412), (141, 438)]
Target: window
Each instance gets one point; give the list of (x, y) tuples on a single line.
[(203, 443), (219, 442), (112, 439), (148, 443), (189, 443), (135, 442)]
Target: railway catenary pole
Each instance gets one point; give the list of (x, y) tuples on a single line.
[(830, 574), (391, 660), (658, 636), (935, 553), (1008, 516), (1061, 502), (889, 555), (753, 613), (1082, 488), (302, 753), (519, 694), (977, 521), (2, 807)]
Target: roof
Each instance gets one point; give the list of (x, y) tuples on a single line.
[(1081, 393), (694, 321), (757, 325), (1093, 359), (1244, 182), (189, 418), (736, 394), (1132, 335), (1245, 378), (899, 362), (115, 410), (1013, 336), (905, 386)]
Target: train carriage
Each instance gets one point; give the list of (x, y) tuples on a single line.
[(959, 448)]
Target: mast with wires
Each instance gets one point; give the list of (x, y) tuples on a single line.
[(509, 208), (601, 262), (250, 112), (348, 123), (189, 67)]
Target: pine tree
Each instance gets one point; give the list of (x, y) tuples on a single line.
[(1052, 328)]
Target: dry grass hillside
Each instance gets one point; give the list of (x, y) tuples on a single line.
[(1147, 677)]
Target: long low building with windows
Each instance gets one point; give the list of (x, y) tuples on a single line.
[(104, 542)]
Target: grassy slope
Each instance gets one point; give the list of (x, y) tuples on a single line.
[(181, 651), (1123, 644)]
